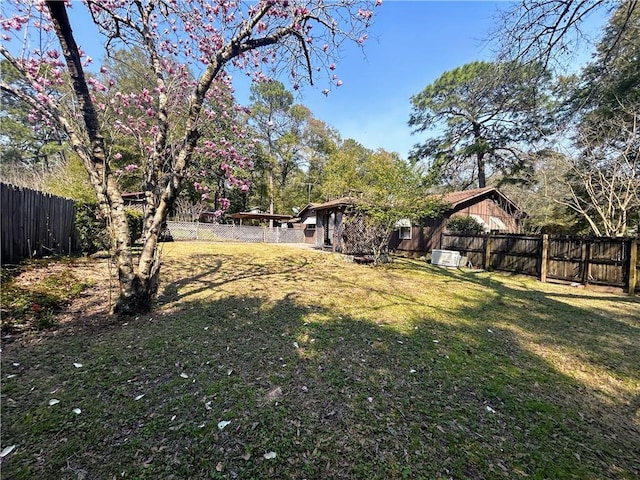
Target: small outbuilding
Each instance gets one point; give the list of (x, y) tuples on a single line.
[(488, 206)]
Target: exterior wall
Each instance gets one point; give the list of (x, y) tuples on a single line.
[(423, 239), (488, 208), (320, 226), (329, 229)]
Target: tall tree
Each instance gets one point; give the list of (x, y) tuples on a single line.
[(279, 124), (482, 115), (207, 37)]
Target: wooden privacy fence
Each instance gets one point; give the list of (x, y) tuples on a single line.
[(587, 260), (34, 224)]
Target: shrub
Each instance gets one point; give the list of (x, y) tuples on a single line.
[(92, 229), (134, 219), (465, 225)]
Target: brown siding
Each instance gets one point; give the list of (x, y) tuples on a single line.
[(488, 208)]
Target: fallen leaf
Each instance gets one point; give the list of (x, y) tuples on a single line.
[(270, 455), (490, 410), (246, 456), (413, 370), (7, 450), (207, 405), (11, 376), (184, 375), (436, 341), (77, 411), (139, 397), (53, 401), (223, 424), (489, 330), (219, 467), (274, 394), (16, 364), (295, 345), (77, 365)]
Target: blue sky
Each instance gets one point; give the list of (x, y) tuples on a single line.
[(410, 44)]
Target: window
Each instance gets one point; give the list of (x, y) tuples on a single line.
[(405, 233)]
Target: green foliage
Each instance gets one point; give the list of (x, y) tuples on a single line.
[(92, 231), (292, 152), (135, 219), (385, 189), (464, 224), (92, 228), (70, 180)]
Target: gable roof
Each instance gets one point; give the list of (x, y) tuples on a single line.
[(458, 198)]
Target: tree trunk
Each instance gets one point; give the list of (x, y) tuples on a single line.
[(482, 179), (480, 154), (272, 193)]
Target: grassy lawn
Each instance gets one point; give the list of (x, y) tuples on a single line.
[(326, 369)]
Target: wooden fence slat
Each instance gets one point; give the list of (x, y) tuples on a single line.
[(601, 260), (32, 221)]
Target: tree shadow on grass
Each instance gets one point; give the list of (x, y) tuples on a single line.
[(211, 274), (333, 396)]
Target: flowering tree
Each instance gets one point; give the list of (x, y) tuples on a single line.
[(187, 42)]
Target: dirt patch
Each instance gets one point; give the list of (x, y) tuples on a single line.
[(86, 310)]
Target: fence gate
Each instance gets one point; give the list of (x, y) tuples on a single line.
[(589, 260)]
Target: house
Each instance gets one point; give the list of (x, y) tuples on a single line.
[(135, 200), (490, 207), (323, 223)]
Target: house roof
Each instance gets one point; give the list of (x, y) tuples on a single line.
[(338, 202), (458, 198), (455, 199)]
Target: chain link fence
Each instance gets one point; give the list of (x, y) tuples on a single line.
[(232, 233)]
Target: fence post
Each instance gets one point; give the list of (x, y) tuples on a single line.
[(544, 258), (633, 266), (486, 263), (197, 231), (586, 260)]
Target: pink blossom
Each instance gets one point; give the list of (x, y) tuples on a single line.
[(332, 66)]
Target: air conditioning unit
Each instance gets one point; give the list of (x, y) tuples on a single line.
[(445, 258)]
